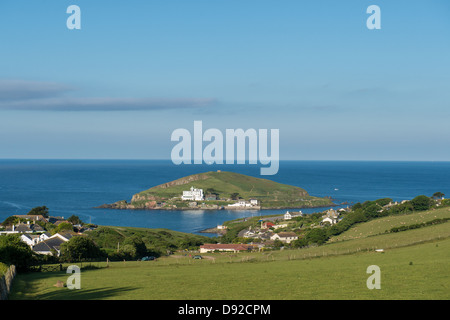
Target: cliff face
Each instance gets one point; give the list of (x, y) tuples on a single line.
[(143, 197)]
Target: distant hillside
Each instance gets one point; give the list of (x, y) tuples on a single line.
[(228, 187)]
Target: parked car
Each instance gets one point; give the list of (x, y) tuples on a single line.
[(197, 257), (150, 258)]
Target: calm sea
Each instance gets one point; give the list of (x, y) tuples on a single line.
[(74, 187)]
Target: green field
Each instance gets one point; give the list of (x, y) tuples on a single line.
[(415, 264), (381, 225)]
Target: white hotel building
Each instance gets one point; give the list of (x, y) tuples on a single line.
[(193, 194)]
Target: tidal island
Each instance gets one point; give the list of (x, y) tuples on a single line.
[(221, 190)]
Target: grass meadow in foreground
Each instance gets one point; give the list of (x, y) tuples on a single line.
[(411, 272)]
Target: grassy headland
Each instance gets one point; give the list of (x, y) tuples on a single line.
[(227, 187)]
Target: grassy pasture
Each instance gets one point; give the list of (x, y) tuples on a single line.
[(415, 265), (381, 225)]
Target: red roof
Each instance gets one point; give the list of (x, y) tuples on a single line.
[(267, 225)]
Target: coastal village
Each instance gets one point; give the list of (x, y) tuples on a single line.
[(35, 232), (45, 234), (272, 231), (269, 229)]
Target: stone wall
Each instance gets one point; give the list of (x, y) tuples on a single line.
[(6, 282)]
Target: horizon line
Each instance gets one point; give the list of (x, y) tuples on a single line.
[(204, 163)]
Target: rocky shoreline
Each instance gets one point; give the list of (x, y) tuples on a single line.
[(123, 205), (214, 230)]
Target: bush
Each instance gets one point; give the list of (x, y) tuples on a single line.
[(421, 203), (13, 251), (189, 243), (384, 201), (299, 243), (403, 208), (10, 221), (419, 225), (134, 247), (65, 226), (80, 248), (372, 211), (445, 202), (39, 211), (317, 235), (73, 219)]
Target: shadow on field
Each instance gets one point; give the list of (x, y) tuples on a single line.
[(28, 285), (83, 294)]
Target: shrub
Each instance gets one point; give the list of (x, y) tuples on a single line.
[(317, 235), (43, 210), (421, 203), (14, 251), (384, 201), (299, 243), (80, 248)]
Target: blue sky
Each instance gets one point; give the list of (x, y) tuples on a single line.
[(137, 70)]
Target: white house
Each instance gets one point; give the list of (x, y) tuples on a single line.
[(286, 237), (330, 220), (23, 228), (44, 236), (278, 226), (193, 194), (241, 203), (331, 217), (287, 216), (49, 246), (52, 244), (30, 239), (249, 234), (63, 236)]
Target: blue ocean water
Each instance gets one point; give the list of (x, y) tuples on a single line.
[(70, 187)]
